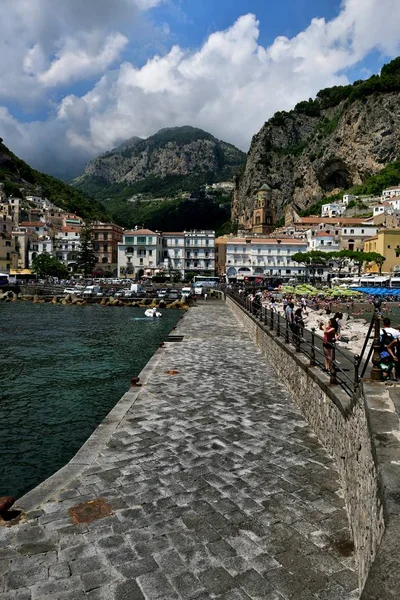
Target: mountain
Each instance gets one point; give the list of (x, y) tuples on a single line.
[(173, 160), (17, 175), (339, 140)]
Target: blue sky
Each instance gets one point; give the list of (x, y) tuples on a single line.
[(77, 78)]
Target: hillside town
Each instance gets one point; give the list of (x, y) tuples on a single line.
[(32, 226)]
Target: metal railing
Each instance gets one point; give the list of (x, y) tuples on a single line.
[(344, 367)]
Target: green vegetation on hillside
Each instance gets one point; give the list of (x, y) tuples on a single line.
[(174, 214), (373, 185), (15, 174), (387, 81), (167, 187)]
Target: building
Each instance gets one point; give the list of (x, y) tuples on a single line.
[(200, 252), (263, 257), (349, 198), (387, 243), (43, 245), (106, 237), (263, 212), (67, 246), (353, 237), (139, 253), (220, 254), (391, 191), (8, 244), (323, 241), (36, 227), (333, 210), (145, 252)]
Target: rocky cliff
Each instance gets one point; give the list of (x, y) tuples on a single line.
[(324, 145), (172, 152)]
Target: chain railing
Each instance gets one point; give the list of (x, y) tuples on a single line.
[(344, 367)]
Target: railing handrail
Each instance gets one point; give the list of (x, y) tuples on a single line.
[(338, 375)]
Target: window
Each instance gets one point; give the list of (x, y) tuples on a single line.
[(351, 230), (176, 242), (196, 242), (389, 246), (141, 240), (150, 252), (105, 248), (150, 240), (129, 250), (96, 236), (362, 230), (141, 261), (105, 236), (207, 242), (104, 260), (129, 240)]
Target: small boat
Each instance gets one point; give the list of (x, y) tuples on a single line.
[(152, 312)]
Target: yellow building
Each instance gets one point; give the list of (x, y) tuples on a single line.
[(387, 243), (8, 251)]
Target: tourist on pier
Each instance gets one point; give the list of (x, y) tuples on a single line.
[(328, 341), (338, 316), (298, 323)]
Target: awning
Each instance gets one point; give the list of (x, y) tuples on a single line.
[(21, 272)]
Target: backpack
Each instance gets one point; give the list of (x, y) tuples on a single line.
[(386, 338)]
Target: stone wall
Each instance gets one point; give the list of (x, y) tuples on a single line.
[(345, 426)]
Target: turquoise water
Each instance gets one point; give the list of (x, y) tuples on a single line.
[(62, 369)]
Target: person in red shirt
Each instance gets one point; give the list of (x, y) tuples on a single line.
[(328, 341)]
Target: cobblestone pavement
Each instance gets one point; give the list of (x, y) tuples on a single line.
[(218, 489)]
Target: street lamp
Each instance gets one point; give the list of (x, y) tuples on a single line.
[(376, 371)]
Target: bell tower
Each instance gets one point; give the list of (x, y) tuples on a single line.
[(264, 212)]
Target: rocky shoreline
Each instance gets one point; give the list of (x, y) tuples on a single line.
[(71, 299)]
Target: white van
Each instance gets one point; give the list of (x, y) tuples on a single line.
[(91, 291), (186, 292), (136, 288)]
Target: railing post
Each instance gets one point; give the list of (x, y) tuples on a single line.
[(278, 326), (356, 371), (312, 355), (333, 373), (265, 316), (297, 340), (271, 325), (376, 371), (287, 332)]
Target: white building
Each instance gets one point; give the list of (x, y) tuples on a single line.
[(322, 241), (263, 257), (353, 237), (395, 203), (145, 252), (391, 191), (67, 246), (139, 253), (39, 246), (200, 252), (349, 198), (333, 210)]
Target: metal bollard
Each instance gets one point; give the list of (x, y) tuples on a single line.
[(312, 354), (271, 325)]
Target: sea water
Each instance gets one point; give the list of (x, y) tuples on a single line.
[(62, 369)]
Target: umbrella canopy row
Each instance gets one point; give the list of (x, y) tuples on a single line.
[(378, 291)]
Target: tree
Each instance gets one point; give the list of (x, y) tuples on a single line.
[(86, 256), (45, 265), (359, 258), (340, 258), (378, 259), (311, 259)]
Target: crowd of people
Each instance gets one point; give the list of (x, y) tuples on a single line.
[(294, 308)]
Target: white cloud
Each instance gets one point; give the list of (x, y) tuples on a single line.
[(229, 86), (85, 57)]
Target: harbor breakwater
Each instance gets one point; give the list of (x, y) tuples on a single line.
[(363, 435)]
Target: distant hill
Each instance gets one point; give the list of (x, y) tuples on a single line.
[(17, 175), (173, 160)]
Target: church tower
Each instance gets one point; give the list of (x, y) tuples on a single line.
[(264, 211)]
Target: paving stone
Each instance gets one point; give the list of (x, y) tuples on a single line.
[(218, 580), (219, 490)]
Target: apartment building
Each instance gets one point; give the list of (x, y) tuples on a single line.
[(8, 244), (263, 257), (200, 252), (387, 243), (67, 245), (106, 237), (139, 253)]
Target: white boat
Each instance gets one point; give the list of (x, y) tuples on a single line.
[(152, 312)]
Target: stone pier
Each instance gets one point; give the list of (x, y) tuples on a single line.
[(206, 482)]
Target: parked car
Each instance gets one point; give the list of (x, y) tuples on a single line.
[(162, 293), (70, 291), (174, 295)]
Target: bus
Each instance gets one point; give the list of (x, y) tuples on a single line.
[(205, 281)]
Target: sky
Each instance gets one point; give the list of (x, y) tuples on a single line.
[(78, 77)]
